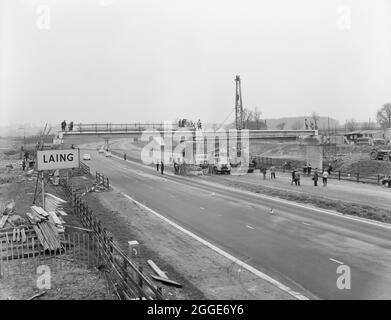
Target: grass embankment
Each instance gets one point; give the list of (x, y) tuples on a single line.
[(349, 208)]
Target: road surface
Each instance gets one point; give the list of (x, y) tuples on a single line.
[(299, 246)]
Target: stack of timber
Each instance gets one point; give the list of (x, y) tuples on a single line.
[(54, 204), (44, 226)]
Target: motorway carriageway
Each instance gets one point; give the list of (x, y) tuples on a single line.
[(299, 246)]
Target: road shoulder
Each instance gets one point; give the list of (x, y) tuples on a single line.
[(204, 273)]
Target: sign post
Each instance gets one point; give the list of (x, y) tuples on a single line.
[(43, 190), (48, 160)]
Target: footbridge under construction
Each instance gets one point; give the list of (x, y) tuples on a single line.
[(108, 131)]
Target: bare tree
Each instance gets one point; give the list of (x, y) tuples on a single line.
[(384, 116), (351, 125), (248, 115), (366, 126), (257, 116)]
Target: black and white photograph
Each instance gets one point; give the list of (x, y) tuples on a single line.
[(194, 156)]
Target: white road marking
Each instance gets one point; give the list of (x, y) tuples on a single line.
[(306, 223), (202, 208), (250, 227), (244, 265), (336, 261)]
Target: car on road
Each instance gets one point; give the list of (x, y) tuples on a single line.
[(101, 150), (108, 154), (86, 156), (222, 166)]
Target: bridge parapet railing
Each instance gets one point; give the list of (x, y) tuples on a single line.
[(118, 127)]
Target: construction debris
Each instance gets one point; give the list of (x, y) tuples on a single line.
[(46, 228), (3, 220), (37, 295), (167, 281), (5, 212), (53, 203), (9, 208), (155, 268)]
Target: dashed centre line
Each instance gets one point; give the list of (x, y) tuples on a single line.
[(339, 262)]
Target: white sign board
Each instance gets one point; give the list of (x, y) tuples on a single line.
[(58, 159)]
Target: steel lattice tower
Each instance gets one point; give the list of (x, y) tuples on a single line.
[(238, 105)]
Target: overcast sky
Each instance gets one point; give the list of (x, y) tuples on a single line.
[(137, 60)]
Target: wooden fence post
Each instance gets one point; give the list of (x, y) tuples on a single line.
[(140, 279), (111, 241)]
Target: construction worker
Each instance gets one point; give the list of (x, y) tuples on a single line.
[(315, 178), (325, 175), (309, 168), (264, 170), (157, 166), (70, 127), (125, 156), (63, 125), (161, 167), (293, 176), (23, 164), (297, 178), (272, 172)]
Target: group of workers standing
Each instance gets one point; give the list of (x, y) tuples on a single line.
[(182, 123), (64, 126), (307, 169), (296, 175), (160, 166), (272, 169)]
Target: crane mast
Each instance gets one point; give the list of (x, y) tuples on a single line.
[(238, 105)]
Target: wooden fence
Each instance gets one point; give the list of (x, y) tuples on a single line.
[(126, 277), (337, 175), (85, 168), (101, 180)]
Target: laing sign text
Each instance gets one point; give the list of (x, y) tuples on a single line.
[(57, 159)]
